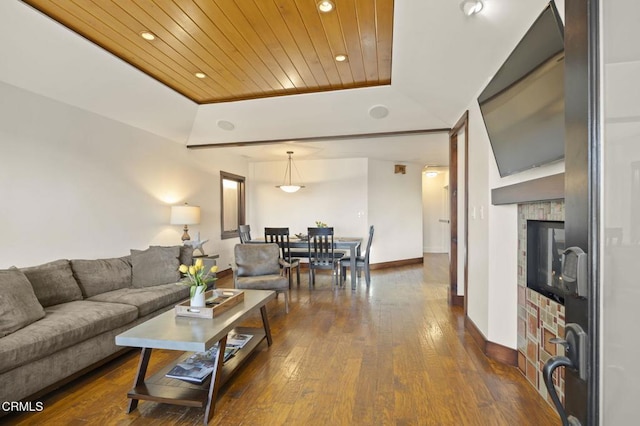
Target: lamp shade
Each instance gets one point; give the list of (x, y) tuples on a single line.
[(185, 215)]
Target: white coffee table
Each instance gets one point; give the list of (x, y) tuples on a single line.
[(168, 331)]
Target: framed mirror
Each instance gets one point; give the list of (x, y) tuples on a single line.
[(232, 204)]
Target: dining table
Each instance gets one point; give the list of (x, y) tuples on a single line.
[(352, 244)]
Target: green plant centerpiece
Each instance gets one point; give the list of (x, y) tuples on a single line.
[(320, 224), (197, 279)]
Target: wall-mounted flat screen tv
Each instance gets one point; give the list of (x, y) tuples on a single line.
[(523, 105)]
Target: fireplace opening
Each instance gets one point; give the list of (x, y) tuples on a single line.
[(545, 244)]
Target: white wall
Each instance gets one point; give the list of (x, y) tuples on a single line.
[(74, 184), (395, 209), (435, 233), (335, 193), (493, 239), (348, 194)]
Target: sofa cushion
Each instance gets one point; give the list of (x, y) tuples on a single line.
[(154, 266), (64, 325), (53, 282), (19, 306), (101, 275), (148, 299)]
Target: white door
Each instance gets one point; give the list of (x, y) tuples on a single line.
[(620, 211)]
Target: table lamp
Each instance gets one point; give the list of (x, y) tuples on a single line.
[(185, 215)]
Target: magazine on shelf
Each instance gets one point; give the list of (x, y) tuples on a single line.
[(191, 371), (199, 366), (238, 340)]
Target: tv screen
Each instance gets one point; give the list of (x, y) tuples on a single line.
[(523, 105)]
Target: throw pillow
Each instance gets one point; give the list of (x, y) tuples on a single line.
[(102, 275), (19, 306), (53, 283), (186, 254), (155, 266)]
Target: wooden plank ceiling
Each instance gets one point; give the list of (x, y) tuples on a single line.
[(246, 48)]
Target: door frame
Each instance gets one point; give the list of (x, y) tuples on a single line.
[(582, 193), (463, 123)]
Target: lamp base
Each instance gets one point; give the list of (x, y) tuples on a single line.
[(185, 234)]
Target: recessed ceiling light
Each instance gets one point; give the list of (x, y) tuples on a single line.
[(325, 6), (147, 35), (431, 174), (341, 58), (200, 75), (378, 111), (225, 125), (471, 7)]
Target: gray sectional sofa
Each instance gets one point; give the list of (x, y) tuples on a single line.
[(61, 318)]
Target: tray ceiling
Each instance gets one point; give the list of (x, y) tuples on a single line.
[(246, 48)]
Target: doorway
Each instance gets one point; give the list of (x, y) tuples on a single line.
[(458, 200)]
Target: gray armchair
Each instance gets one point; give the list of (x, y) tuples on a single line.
[(257, 267)]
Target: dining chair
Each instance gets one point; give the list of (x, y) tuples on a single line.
[(244, 232), (322, 254), (280, 236), (257, 267), (362, 262)]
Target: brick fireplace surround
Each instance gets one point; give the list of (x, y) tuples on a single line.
[(539, 318)]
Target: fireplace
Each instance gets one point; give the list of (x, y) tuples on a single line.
[(545, 244), (540, 318)]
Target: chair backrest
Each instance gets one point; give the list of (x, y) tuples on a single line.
[(320, 246), (257, 259), (244, 232), (366, 252), (279, 236)]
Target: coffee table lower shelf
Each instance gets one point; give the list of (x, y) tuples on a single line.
[(159, 388)]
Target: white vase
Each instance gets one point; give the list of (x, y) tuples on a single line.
[(198, 299)]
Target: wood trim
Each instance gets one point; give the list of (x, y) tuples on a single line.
[(457, 300), (383, 265), (453, 216), (320, 138), (462, 121), (492, 350), (397, 263), (466, 209), (541, 189)]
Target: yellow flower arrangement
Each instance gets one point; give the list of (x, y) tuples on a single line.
[(196, 275)]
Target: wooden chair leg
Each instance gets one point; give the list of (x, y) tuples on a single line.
[(367, 274), (298, 274)]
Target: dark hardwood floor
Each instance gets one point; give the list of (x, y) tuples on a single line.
[(393, 354)]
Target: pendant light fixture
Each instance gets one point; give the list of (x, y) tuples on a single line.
[(287, 186)]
